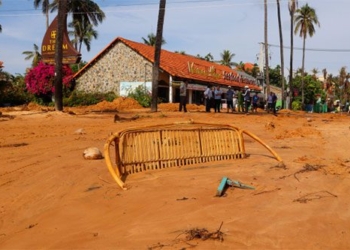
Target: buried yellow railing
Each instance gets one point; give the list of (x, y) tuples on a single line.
[(173, 145)]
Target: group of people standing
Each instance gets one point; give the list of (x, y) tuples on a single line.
[(213, 98), (240, 99)]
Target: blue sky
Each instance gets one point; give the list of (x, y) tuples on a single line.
[(194, 26)]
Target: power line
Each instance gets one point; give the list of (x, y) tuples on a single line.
[(217, 4), (310, 49)]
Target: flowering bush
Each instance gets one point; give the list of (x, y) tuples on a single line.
[(41, 79)]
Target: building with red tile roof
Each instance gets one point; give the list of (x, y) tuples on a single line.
[(123, 64)]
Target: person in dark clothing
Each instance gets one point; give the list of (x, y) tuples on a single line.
[(255, 103), (183, 95), (218, 94), (229, 99), (246, 96), (274, 101), (208, 95)]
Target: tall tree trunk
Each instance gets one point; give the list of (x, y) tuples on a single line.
[(61, 21), (281, 51), (47, 18), (267, 77), (291, 54), (157, 52), (303, 74)]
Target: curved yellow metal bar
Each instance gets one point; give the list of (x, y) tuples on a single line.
[(262, 143), (114, 171)]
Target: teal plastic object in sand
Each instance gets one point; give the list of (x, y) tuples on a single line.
[(227, 182)]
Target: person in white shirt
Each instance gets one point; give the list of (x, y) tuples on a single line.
[(208, 95)]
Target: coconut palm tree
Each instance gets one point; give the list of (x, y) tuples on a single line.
[(292, 6), (0, 24), (305, 20), (86, 10), (281, 49), (342, 83), (151, 40), (209, 57), (61, 17), (314, 73), (157, 52), (83, 33), (324, 72), (241, 66), (182, 52), (85, 15), (45, 5), (34, 55), (226, 59)]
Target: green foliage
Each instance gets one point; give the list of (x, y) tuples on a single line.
[(275, 76), (296, 104), (141, 95), (312, 88), (77, 66), (13, 90), (77, 98)]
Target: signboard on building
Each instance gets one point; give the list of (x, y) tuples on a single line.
[(48, 46), (128, 87)]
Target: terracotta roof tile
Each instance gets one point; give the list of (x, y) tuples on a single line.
[(181, 66)]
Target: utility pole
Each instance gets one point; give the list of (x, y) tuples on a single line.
[(262, 58)]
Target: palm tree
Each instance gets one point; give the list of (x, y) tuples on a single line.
[(61, 17), (85, 15), (45, 4), (342, 83), (226, 59), (151, 40), (34, 55), (0, 24), (86, 10), (157, 52), (240, 66), (305, 20), (182, 52), (346, 88), (281, 49), (324, 72), (83, 34), (314, 73), (209, 57), (292, 6)]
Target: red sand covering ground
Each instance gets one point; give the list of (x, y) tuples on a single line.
[(52, 198)]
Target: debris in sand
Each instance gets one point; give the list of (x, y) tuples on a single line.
[(92, 153), (204, 234), (118, 118), (307, 168), (79, 131), (14, 145), (315, 196)]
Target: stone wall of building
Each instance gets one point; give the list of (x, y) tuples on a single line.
[(118, 64)]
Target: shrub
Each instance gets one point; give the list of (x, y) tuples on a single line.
[(296, 105), (77, 98), (40, 79), (141, 95), (13, 90)]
